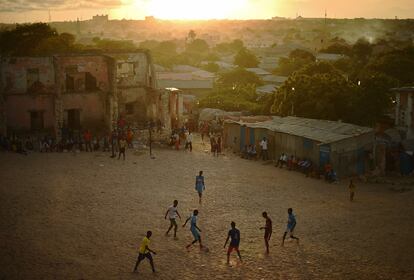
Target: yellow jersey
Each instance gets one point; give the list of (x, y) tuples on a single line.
[(144, 244)]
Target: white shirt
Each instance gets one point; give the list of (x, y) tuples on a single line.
[(172, 212), (285, 158), (189, 138), (263, 144)]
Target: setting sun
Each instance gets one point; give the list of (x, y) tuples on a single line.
[(191, 9)]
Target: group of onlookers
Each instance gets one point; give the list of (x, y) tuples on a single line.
[(180, 136), (250, 152), (292, 162), (117, 141), (306, 166)]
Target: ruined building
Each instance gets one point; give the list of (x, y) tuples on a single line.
[(49, 95)]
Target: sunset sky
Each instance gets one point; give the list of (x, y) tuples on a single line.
[(37, 10)]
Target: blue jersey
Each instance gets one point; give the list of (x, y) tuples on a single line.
[(291, 221), (193, 223), (199, 184)]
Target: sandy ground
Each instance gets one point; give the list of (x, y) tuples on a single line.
[(65, 216)]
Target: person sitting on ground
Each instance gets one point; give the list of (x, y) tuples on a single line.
[(249, 151), (330, 176), (29, 144), (282, 160), (253, 152), (307, 167)]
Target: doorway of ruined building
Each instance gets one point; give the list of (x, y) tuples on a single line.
[(36, 120), (74, 120)]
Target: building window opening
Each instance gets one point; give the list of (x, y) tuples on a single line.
[(90, 82), (129, 108), (74, 119), (36, 120)]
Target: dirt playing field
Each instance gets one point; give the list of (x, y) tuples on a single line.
[(82, 216)]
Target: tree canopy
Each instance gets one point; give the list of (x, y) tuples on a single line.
[(35, 39), (238, 76), (245, 58)]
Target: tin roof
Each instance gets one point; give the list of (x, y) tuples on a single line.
[(322, 131)]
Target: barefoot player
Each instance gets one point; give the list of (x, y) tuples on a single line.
[(234, 235), (172, 213), (268, 230), (199, 185), (291, 224), (145, 252), (195, 230)]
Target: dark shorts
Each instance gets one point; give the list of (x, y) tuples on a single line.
[(173, 222), (232, 247), (267, 234), (143, 256), (290, 228), (122, 150)]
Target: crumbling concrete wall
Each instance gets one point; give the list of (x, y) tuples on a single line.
[(135, 84), (20, 107), (27, 86), (85, 84), (31, 75)]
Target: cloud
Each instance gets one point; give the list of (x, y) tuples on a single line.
[(35, 5)]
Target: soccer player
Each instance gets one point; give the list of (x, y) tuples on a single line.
[(268, 230), (172, 213), (200, 186), (195, 230), (234, 235), (290, 226), (145, 252)]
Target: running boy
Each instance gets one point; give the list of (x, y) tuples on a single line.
[(172, 213), (268, 230), (145, 252), (290, 226), (200, 186), (234, 234), (195, 230)]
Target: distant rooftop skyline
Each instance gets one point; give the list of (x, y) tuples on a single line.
[(61, 10)]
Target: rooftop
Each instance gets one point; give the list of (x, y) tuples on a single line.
[(258, 71), (403, 89), (322, 131)]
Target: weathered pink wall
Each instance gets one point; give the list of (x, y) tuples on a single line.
[(94, 64), (18, 109), (14, 74), (92, 106)]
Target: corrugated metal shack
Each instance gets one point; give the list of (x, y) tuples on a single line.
[(346, 146)]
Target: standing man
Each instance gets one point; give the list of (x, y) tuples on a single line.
[(122, 147), (351, 190), (263, 145), (291, 224), (114, 140), (145, 252), (172, 213), (200, 186), (268, 230), (189, 141), (234, 234), (87, 136), (195, 230)]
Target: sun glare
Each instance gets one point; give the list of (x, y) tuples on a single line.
[(196, 9)]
